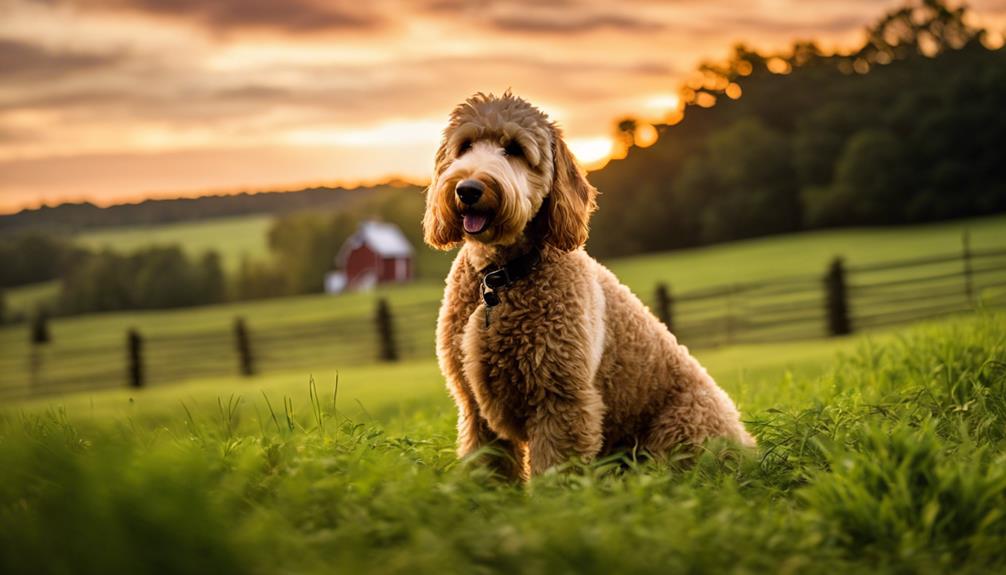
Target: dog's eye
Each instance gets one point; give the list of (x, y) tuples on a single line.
[(464, 147), (514, 150)]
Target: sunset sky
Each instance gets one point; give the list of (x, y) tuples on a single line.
[(115, 100)]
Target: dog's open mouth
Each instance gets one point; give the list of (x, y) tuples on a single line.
[(476, 222)]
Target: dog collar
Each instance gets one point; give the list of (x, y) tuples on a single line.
[(498, 277)]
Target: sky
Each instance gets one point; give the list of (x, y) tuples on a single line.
[(119, 100)]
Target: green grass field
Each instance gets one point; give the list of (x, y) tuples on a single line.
[(233, 238), (887, 457), (803, 253), (748, 260), (92, 346), (685, 270), (25, 299)]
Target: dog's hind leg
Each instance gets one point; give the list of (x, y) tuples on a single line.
[(563, 427), (694, 416)]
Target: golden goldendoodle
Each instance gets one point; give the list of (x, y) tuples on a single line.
[(546, 354)]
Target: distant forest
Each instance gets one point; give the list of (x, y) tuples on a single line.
[(908, 128), (79, 216)]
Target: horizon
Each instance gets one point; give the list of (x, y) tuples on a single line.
[(277, 96)]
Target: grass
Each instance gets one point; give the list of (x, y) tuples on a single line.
[(808, 252), (233, 238), (888, 457), (24, 300), (90, 348), (380, 391), (803, 253)]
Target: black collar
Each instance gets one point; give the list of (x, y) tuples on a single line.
[(496, 277)]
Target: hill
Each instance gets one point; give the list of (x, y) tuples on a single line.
[(233, 237), (75, 217)]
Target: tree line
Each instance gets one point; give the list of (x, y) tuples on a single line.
[(71, 217), (907, 128), (302, 249), (303, 246)]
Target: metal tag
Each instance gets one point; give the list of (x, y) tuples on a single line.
[(491, 299)]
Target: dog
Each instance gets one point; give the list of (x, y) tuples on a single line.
[(547, 356)]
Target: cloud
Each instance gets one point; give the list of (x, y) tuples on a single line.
[(23, 61), (288, 16), (776, 26), (334, 91), (535, 17), (568, 24)]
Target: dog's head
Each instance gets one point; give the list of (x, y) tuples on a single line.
[(503, 173)]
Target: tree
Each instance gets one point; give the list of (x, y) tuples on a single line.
[(926, 27), (874, 177), (256, 280), (164, 278), (748, 177), (305, 245), (213, 283)]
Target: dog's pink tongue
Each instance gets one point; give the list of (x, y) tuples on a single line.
[(474, 223)]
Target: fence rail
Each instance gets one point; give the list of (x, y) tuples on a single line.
[(844, 299)]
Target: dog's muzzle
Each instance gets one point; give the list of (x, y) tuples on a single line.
[(469, 193)]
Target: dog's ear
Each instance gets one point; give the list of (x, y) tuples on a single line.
[(570, 201), (438, 232)]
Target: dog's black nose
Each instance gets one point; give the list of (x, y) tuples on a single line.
[(469, 191)]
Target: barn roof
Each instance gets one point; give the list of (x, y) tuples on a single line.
[(385, 239)]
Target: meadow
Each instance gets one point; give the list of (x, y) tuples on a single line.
[(887, 457), (808, 252), (233, 238), (89, 349)]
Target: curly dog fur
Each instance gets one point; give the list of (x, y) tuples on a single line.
[(572, 363)]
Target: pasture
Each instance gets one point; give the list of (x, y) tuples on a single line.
[(747, 260), (319, 334), (233, 238), (888, 457)]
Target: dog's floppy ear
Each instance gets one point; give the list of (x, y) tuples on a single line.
[(437, 229), (569, 203)]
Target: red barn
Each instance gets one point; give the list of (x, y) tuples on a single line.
[(377, 253)]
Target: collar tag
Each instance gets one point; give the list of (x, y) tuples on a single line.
[(491, 298)]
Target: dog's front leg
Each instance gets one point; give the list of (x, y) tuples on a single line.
[(563, 427), (505, 457)]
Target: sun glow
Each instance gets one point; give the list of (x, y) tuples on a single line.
[(662, 105), (592, 153)]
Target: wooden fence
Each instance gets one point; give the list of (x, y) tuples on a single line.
[(842, 299)]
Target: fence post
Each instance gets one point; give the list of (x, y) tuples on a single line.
[(665, 305), (969, 287), (387, 350), (40, 327), (729, 318), (134, 345), (837, 299), (39, 335), (246, 361)]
